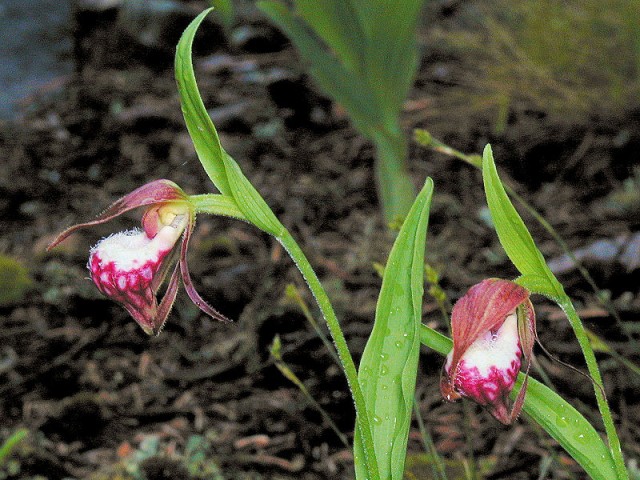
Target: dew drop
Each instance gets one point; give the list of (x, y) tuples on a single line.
[(399, 344), (561, 421), (383, 370), (384, 356), (384, 387), (377, 420)]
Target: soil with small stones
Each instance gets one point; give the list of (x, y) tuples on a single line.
[(91, 388)]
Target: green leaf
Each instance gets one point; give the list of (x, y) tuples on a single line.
[(513, 234), (223, 171), (364, 55), (391, 54), (226, 12), (201, 129), (569, 428), (337, 23), (553, 413), (389, 363), (345, 87)]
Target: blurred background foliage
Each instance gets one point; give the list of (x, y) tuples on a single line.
[(565, 59)]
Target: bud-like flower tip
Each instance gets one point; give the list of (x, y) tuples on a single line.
[(487, 346), (488, 369), (124, 265)]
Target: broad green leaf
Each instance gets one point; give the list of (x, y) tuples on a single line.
[(553, 413), (345, 87), (569, 428), (364, 55), (336, 22), (512, 232), (389, 363), (223, 171), (391, 56)]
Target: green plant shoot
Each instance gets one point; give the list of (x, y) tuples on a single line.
[(364, 55), (241, 200), (537, 277), (389, 363), (365, 52)]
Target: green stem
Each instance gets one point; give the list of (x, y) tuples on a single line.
[(594, 371), (438, 469), (223, 205), (11, 442), (216, 204), (322, 299), (435, 340), (396, 188)]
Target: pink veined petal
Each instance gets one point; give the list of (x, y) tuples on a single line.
[(161, 275), (167, 301), (528, 335), (158, 191), (186, 278), (484, 307), (527, 328)]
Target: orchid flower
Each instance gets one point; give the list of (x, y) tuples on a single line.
[(493, 326), (129, 267)]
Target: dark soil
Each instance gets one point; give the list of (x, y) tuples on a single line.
[(93, 390)]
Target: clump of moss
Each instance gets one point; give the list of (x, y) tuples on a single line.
[(14, 281)]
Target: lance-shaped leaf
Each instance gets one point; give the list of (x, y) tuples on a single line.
[(223, 171), (389, 363), (514, 236), (348, 87)]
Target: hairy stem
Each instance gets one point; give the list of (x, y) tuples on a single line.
[(348, 365), (594, 371)]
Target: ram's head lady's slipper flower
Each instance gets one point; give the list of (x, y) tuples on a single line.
[(493, 326), (129, 267)]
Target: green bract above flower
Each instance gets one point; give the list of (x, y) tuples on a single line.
[(129, 267), (493, 325)]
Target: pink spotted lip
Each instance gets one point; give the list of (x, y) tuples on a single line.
[(488, 369), (123, 266)]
